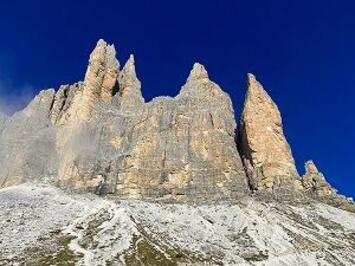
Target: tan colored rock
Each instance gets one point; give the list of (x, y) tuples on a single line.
[(62, 110), (100, 83), (315, 182), (130, 95), (174, 148), (198, 72), (101, 74), (183, 147), (41, 103), (198, 84), (264, 149)]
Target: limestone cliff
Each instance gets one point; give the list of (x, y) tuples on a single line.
[(266, 154), (101, 135)]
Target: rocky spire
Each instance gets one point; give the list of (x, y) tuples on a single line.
[(102, 72), (310, 167), (128, 78), (197, 72), (199, 85), (314, 181), (266, 154), (100, 78), (130, 86)]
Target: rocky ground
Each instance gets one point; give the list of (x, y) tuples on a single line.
[(42, 225)]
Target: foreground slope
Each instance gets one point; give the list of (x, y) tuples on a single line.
[(43, 225)]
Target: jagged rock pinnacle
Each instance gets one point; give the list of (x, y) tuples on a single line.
[(100, 80), (199, 85), (314, 181), (264, 148), (128, 75), (197, 72), (310, 167), (102, 72), (100, 135), (130, 87)]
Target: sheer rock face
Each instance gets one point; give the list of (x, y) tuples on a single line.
[(62, 106), (3, 119), (130, 96), (182, 146), (101, 75), (264, 149), (100, 84), (314, 181), (100, 135)]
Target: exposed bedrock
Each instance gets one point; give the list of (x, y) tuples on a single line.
[(264, 149), (101, 135)]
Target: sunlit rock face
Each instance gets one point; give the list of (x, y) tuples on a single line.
[(266, 154), (100, 135)]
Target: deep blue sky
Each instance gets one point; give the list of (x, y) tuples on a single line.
[(303, 52)]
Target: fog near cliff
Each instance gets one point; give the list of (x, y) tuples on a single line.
[(83, 143), (13, 98)]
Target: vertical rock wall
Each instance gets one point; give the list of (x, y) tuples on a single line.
[(266, 154), (100, 135)]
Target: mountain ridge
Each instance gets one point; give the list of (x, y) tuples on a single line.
[(92, 174), (186, 142)]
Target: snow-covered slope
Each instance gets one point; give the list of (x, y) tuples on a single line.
[(42, 225)]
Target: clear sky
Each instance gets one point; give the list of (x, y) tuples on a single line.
[(303, 52)]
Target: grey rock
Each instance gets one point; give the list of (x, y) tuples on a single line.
[(28, 143), (3, 119)]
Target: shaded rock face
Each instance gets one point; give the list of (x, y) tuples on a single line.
[(100, 135), (27, 143), (264, 149)]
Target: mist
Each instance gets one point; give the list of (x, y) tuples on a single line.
[(13, 99)]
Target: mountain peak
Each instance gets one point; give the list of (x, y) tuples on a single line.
[(128, 77), (265, 151), (169, 147), (197, 72)]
